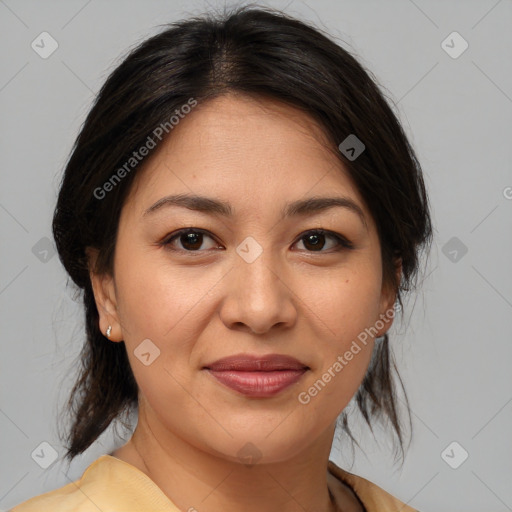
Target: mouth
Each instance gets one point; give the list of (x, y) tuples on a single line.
[(257, 376)]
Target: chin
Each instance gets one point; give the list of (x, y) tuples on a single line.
[(260, 448)]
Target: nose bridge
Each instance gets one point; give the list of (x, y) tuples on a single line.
[(257, 298), (257, 268)]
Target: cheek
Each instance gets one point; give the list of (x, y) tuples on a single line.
[(348, 307), (347, 303), (162, 306), (155, 299)]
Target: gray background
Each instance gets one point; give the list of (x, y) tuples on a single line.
[(454, 350)]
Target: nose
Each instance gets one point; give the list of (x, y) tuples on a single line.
[(258, 297)]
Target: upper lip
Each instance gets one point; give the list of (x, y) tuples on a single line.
[(252, 363)]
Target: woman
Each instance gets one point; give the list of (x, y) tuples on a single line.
[(242, 211)]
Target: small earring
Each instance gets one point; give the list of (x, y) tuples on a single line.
[(109, 330)]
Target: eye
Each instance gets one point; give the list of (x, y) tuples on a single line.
[(190, 239), (315, 239)]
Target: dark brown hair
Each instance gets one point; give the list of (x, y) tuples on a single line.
[(259, 52)]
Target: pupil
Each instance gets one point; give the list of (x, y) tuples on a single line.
[(316, 243), (192, 239)]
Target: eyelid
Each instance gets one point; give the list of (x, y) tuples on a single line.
[(168, 239), (343, 242)]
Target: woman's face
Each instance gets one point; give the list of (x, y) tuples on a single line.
[(252, 282)]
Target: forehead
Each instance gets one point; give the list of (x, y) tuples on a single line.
[(252, 150)]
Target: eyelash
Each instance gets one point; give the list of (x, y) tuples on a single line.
[(343, 243)]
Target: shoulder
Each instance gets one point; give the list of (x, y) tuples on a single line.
[(107, 484), (63, 498), (67, 497), (374, 498)]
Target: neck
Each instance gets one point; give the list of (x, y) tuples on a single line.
[(197, 480)]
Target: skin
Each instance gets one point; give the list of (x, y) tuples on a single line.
[(208, 303)]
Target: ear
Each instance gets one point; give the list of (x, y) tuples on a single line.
[(105, 297), (387, 303)]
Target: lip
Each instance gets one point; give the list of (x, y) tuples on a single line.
[(257, 376), (255, 363)]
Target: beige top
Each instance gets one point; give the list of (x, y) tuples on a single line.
[(113, 485)]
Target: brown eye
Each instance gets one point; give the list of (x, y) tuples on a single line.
[(190, 240), (315, 241)]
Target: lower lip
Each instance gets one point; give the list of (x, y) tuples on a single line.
[(258, 384)]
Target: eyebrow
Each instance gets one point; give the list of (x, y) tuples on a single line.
[(295, 208)]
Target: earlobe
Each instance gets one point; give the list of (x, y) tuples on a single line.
[(105, 298)]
